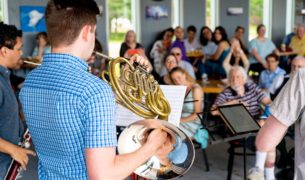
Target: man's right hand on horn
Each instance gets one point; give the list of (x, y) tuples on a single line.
[(161, 141)]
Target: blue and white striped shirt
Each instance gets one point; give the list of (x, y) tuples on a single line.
[(67, 110), (252, 97)]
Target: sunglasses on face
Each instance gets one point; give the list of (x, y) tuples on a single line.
[(176, 54)]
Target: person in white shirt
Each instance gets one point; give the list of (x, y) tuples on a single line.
[(191, 42)]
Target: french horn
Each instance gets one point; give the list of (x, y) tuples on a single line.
[(137, 90)]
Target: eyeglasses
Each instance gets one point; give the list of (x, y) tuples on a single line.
[(170, 62), (271, 61), (175, 54), (87, 4)]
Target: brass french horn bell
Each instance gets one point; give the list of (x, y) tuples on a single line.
[(137, 90)]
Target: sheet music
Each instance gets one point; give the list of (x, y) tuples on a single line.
[(174, 95)]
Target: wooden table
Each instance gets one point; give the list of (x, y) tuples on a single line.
[(213, 86), (194, 54)]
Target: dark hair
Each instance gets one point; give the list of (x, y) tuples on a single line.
[(8, 35), (224, 36), (191, 28), (202, 39), (161, 34), (272, 55), (65, 18), (239, 27), (259, 26), (167, 55), (41, 34)]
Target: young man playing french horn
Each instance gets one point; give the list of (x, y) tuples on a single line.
[(70, 112)]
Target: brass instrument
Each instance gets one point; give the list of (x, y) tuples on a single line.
[(15, 168), (137, 90), (31, 62)]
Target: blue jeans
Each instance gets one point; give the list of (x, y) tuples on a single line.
[(212, 69), (4, 165)]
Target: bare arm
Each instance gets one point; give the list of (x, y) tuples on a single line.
[(270, 134), (17, 153), (198, 95), (221, 47), (226, 63), (214, 110), (245, 60), (266, 101), (103, 163)]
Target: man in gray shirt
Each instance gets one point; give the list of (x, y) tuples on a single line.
[(287, 109), (10, 124)]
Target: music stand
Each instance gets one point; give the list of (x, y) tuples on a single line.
[(240, 123)]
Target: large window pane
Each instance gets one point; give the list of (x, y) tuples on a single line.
[(256, 16), (119, 23)]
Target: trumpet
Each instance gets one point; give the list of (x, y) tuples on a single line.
[(137, 90)]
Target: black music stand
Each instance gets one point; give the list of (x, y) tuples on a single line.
[(240, 125)]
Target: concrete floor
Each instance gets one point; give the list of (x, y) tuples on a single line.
[(217, 156)]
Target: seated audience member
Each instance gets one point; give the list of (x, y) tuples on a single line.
[(287, 39), (179, 42), (297, 63), (271, 74), (42, 47), (239, 35), (298, 40), (130, 46), (170, 62), (241, 91), (236, 57), (213, 66), (191, 42), (193, 104), (259, 48), (208, 46), (176, 51), (96, 63), (161, 48)]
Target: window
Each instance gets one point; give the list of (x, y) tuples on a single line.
[(208, 13), (120, 21), (3, 11), (256, 16)]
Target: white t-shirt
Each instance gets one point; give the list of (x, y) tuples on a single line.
[(191, 46)]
